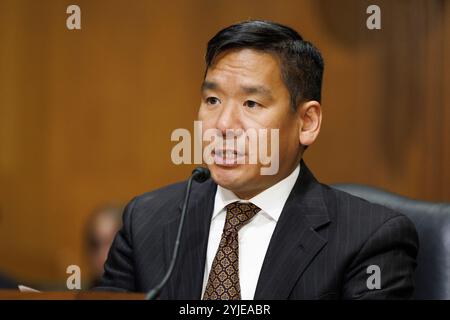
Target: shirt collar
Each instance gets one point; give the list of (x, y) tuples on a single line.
[(264, 200)]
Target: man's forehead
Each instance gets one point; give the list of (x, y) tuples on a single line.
[(246, 60), (257, 79)]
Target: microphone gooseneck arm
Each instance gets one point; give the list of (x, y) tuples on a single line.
[(200, 175)]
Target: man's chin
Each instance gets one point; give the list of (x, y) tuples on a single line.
[(227, 177)]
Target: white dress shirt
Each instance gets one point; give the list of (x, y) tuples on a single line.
[(254, 237)]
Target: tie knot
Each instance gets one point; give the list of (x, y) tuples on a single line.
[(238, 214)]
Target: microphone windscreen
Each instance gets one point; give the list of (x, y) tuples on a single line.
[(201, 174)]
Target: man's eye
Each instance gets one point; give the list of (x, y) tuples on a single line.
[(251, 104), (212, 100)]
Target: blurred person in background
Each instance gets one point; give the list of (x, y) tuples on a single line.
[(101, 227), (6, 282)]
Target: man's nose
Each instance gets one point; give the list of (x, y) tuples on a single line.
[(229, 119)]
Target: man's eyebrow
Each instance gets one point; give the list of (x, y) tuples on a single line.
[(208, 85), (258, 90)]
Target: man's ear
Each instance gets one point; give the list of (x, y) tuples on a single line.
[(310, 118)]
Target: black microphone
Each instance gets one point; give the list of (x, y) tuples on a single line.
[(200, 174)]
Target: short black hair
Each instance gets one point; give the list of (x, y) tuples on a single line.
[(301, 63)]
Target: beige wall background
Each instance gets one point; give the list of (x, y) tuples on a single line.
[(86, 116)]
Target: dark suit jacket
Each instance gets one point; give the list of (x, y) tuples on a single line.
[(321, 247)]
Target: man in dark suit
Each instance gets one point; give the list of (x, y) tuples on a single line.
[(250, 235)]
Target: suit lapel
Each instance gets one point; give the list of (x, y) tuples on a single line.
[(187, 278), (294, 243)]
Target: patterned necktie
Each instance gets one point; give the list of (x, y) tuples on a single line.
[(223, 280)]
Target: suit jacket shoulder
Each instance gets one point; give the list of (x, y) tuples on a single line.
[(142, 249), (368, 216), (364, 238)]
